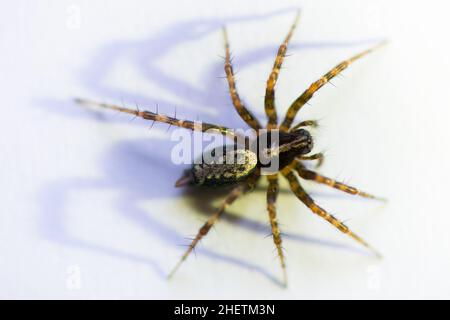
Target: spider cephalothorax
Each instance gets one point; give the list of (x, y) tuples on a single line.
[(243, 164), (294, 144)]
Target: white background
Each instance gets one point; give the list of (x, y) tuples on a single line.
[(88, 207)]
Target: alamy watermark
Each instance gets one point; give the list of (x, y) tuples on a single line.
[(373, 278), (73, 277), (73, 20), (231, 148)]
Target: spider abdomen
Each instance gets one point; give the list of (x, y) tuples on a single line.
[(227, 168)]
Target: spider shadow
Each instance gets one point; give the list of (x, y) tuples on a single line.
[(129, 166), (202, 203), (132, 169)]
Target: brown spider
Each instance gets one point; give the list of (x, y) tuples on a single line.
[(294, 145)]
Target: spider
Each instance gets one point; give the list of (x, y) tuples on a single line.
[(295, 144)]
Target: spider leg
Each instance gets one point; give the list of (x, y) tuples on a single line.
[(308, 93), (309, 202), (230, 198), (243, 112), (311, 175), (272, 194), (307, 123), (316, 156), (269, 100), (173, 121)]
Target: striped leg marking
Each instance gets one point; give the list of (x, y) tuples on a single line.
[(314, 176), (243, 112), (148, 115), (231, 197), (308, 93), (309, 202), (272, 194), (269, 100)]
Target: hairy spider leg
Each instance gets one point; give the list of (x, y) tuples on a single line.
[(316, 156), (238, 191), (314, 176), (272, 194), (307, 123), (309, 202), (148, 115), (243, 112), (269, 99), (308, 93)]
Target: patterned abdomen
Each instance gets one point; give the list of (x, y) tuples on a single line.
[(225, 168)]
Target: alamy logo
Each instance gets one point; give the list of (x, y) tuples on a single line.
[(237, 147)]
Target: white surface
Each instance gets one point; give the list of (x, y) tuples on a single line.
[(88, 205)]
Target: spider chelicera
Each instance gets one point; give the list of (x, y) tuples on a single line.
[(295, 143)]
